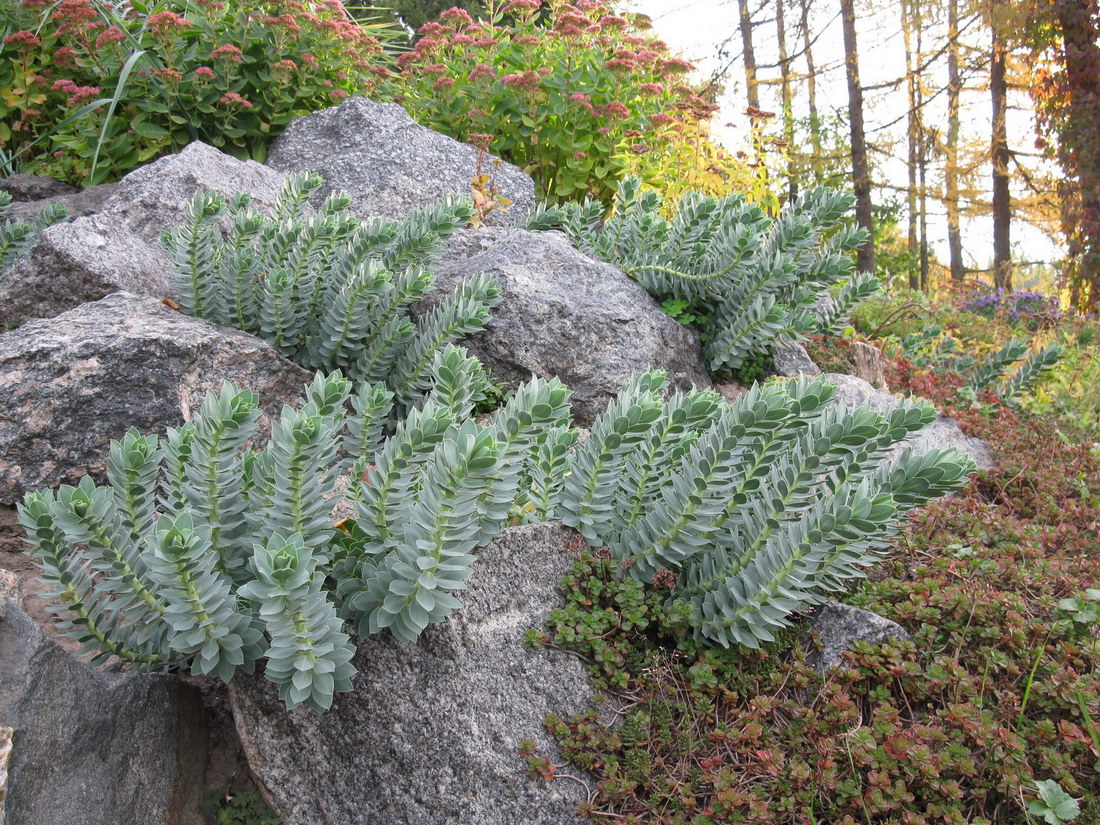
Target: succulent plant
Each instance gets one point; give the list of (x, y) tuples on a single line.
[(751, 282)]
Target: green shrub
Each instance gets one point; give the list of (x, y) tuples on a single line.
[(930, 348), (567, 97), (93, 90), (905, 312), (1069, 391), (16, 237), (935, 335), (752, 511), (207, 554), (326, 290), (752, 282), (692, 160), (996, 366)]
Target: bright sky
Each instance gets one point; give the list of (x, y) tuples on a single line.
[(697, 29)]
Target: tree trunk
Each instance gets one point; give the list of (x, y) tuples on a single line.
[(1081, 55), (951, 163), (861, 173), (752, 86), (922, 153), (811, 80), (1002, 204), (922, 211), (785, 93), (913, 138)]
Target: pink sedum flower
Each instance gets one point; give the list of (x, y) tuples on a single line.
[(234, 99), (616, 110), (227, 52), (166, 22), (22, 38), (108, 36), (456, 16), (82, 94)]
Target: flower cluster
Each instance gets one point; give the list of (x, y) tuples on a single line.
[(1032, 309), (569, 97), (23, 39), (77, 94), (167, 22)]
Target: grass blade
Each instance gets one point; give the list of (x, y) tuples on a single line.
[(120, 87)]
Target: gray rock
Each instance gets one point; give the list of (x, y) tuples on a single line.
[(70, 384), (6, 736), (388, 164), (119, 247), (34, 187), (867, 364), (731, 389), (824, 306), (941, 434), (430, 734), (565, 315), (79, 204), (791, 360), (838, 626), (90, 747)]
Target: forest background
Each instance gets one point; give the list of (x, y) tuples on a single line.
[(967, 129)]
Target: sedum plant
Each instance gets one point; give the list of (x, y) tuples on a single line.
[(326, 290), (752, 282), (752, 511), (16, 237), (96, 89), (203, 552), (569, 92)]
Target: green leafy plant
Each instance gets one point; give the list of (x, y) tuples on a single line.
[(1037, 366), (567, 95), (236, 806), (207, 554), (326, 290), (1068, 392), (16, 237), (1054, 805), (942, 338), (752, 511), (751, 282), (756, 367), (1025, 378), (98, 88), (692, 160), (931, 347), (679, 308), (1085, 610)]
